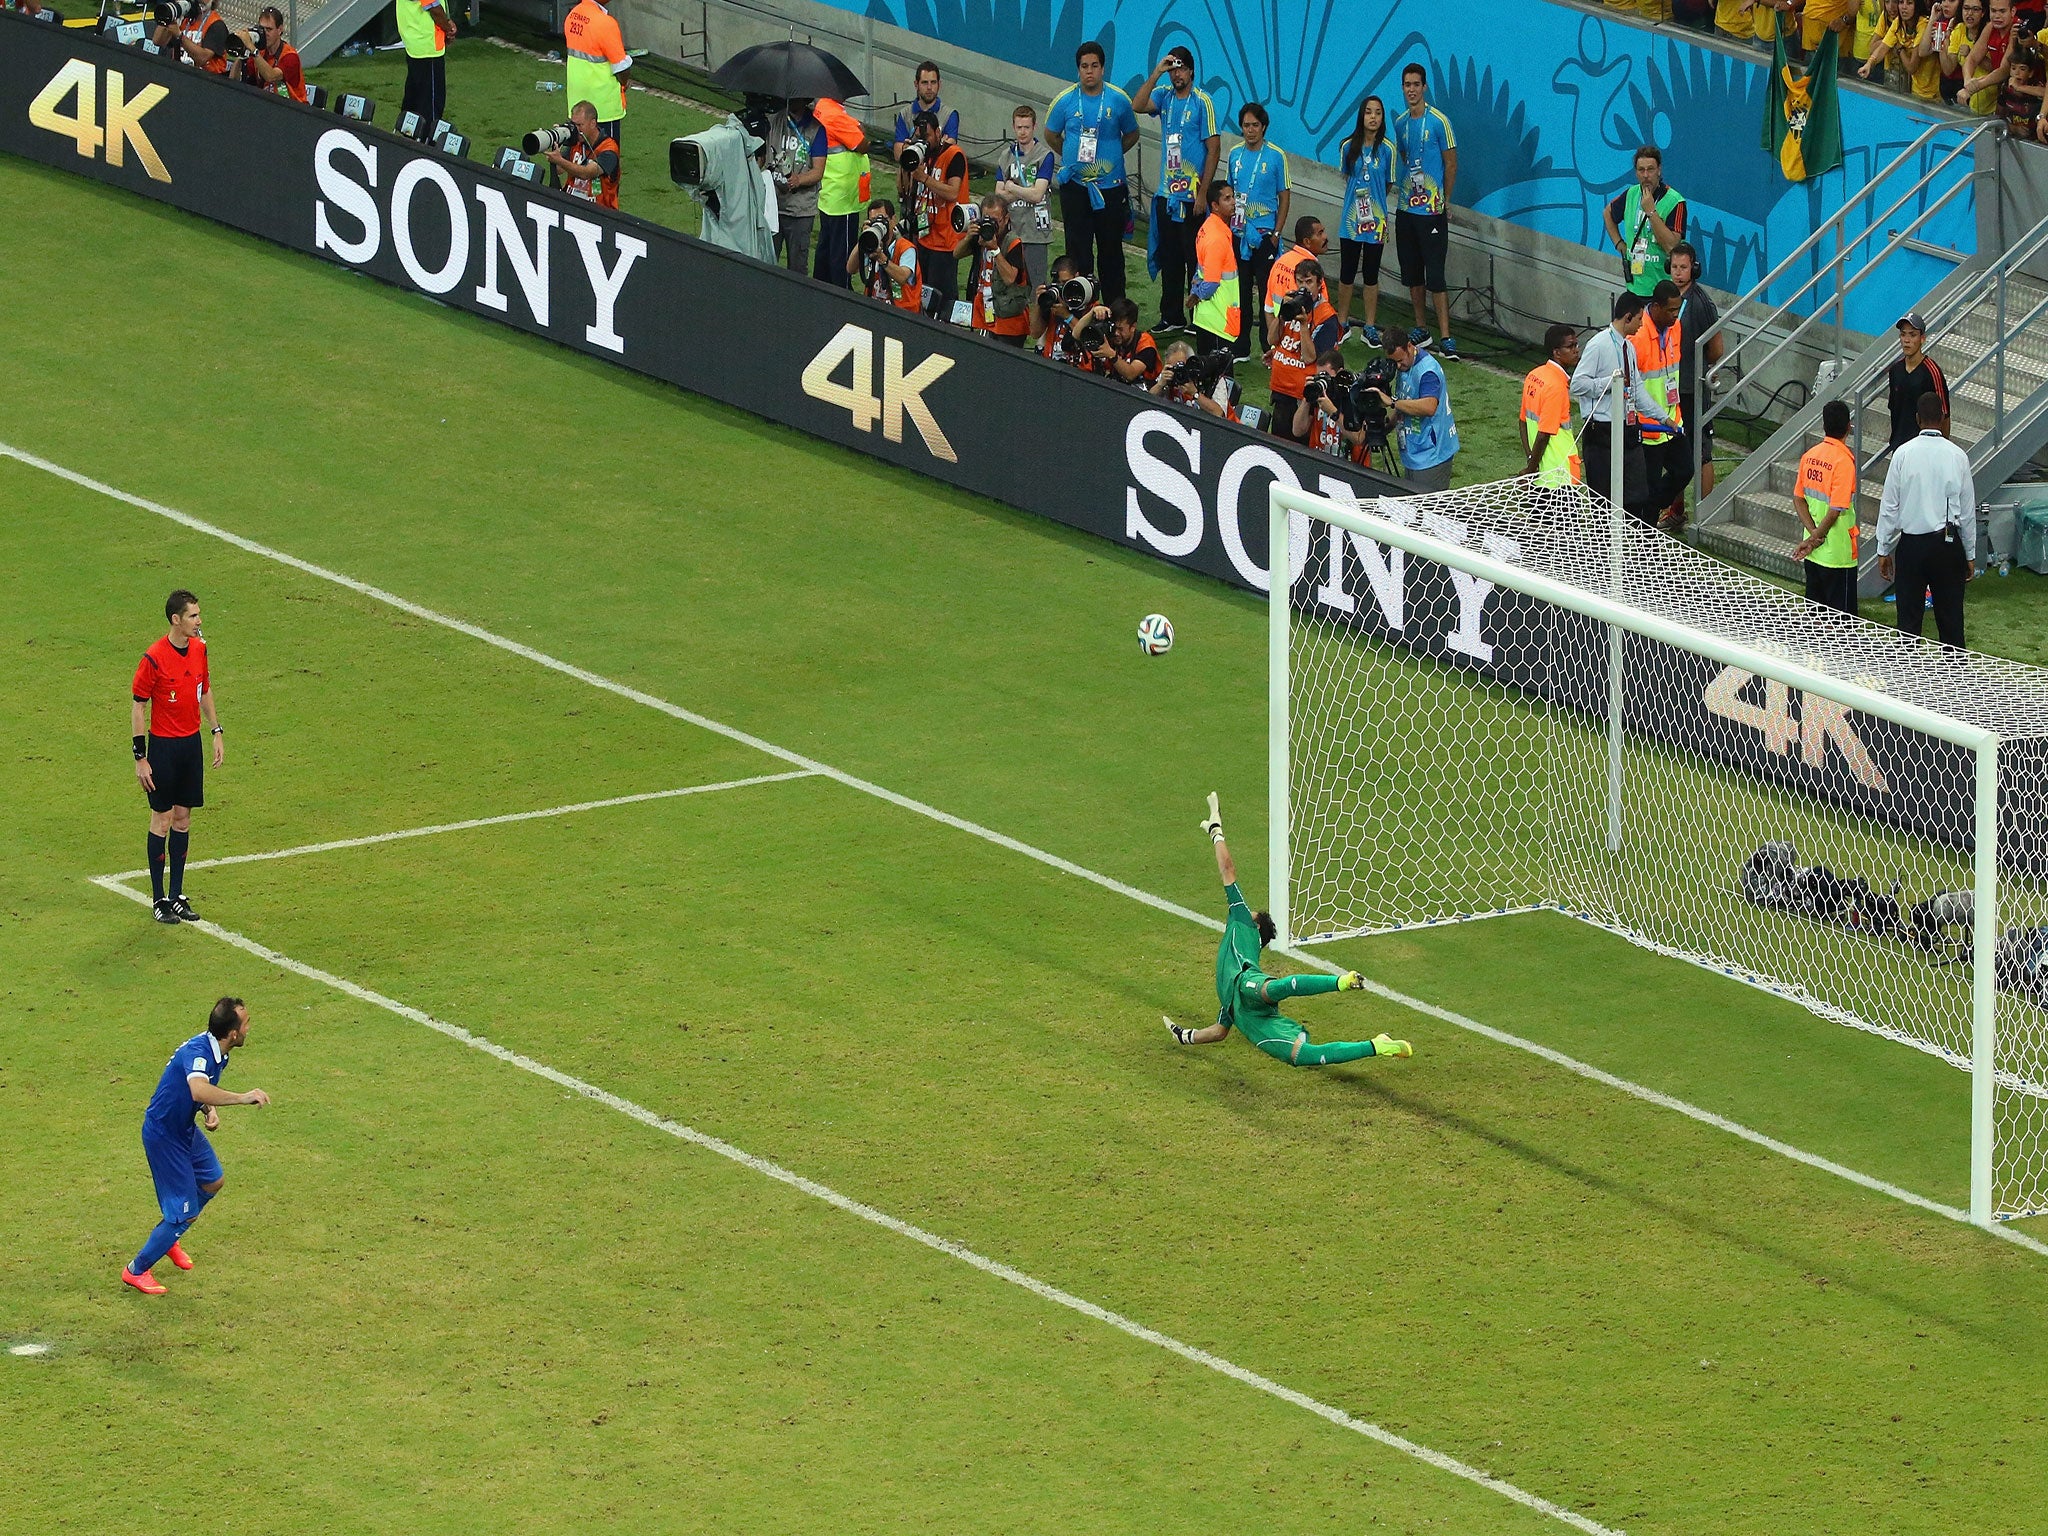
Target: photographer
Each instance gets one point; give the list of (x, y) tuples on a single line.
[(201, 35), (1002, 284), (1319, 416), (1301, 321), (1116, 347), (1050, 315), (885, 262), (591, 168), (273, 63), (932, 176), (1427, 435), (1201, 381)]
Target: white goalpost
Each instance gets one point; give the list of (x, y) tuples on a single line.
[(1511, 698)]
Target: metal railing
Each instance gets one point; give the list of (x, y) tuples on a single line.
[(1734, 356)]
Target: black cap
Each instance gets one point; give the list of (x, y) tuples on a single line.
[(1914, 321)]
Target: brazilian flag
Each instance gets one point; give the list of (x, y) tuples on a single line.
[(1803, 121)]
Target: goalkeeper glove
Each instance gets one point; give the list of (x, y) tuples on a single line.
[(1214, 824), (1350, 981)]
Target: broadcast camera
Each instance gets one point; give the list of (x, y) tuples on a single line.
[(556, 136), (1359, 407)]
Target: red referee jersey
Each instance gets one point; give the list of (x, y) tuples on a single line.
[(170, 681)]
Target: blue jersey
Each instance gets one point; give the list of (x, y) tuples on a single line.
[(1258, 176), (1092, 130), (1423, 142), (949, 122), (1186, 124), (1365, 195), (172, 1107)]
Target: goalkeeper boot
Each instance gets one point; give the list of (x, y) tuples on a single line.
[(145, 1282), (179, 1256), (1387, 1045)]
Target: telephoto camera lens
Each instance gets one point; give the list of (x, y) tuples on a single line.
[(911, 157), (871, 238), (555, 136), (961, 217), (1077, 293)]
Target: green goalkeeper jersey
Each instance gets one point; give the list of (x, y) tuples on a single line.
[(1238, 977)]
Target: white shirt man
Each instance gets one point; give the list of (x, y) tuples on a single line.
[(1927, 527)]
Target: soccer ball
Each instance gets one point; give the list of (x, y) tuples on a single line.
[(1155, 635)]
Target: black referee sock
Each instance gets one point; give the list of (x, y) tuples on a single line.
[(179, 842), (156, 865)]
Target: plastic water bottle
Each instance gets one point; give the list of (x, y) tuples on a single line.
[(547, 85)]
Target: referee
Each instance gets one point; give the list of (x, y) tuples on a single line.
[(173, 689)]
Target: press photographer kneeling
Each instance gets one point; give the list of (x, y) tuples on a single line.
[(885, 262), (1202, 380), (1002, 291), (1052, 312), (591, 168), (1125, 352), (194, 29), (271, 64)]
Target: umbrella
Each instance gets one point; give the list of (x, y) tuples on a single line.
[(788, 70)]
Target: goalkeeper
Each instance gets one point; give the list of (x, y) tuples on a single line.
[(1250, 997)]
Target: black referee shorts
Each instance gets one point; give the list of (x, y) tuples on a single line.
[(1422, 241), (178, 769)]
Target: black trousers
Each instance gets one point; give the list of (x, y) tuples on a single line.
[(1596, 444), (1931, 569), (426, 92), (837, 235), (1176, 259), (1095, 236), (1252, 271), (1832, 586), (941, 273)]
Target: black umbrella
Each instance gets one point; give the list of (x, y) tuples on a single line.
[(789, 71)]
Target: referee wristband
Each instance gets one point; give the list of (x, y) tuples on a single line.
[(141, 748), (216, 730)]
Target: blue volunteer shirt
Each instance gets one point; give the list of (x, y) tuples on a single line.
[(1186, 124), (1092, 130), (172, 1107), (1258, 176), (1423, 142), (1365, 195), (1426, 441)]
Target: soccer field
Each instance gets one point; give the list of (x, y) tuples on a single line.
[(763, 1150)]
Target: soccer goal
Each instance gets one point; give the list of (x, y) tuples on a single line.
[(1510, 698)]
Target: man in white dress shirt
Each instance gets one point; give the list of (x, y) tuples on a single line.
[(1606, 354), (1927, 527)]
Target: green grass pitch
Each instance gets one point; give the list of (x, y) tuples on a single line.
[(443, 1294)]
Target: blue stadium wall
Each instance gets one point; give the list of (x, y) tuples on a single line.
[(1549, 101)]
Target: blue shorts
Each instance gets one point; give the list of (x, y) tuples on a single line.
[(179, 1168)]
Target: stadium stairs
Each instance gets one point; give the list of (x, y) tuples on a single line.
[(1987, 327)]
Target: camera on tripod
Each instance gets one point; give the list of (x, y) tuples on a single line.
[(556, 136)]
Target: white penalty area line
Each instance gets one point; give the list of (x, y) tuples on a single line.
[(883, 1219), (483, 821), (1001, 840)]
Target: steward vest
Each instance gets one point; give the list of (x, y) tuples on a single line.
[(1827, 479), (1645, 256), (423, 36), (593, 50), (194, 30), (845, 187), (1657, 358), (1216, 262), (1547, 407), (600, 189)]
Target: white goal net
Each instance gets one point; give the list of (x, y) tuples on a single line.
[(1503, 698)]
